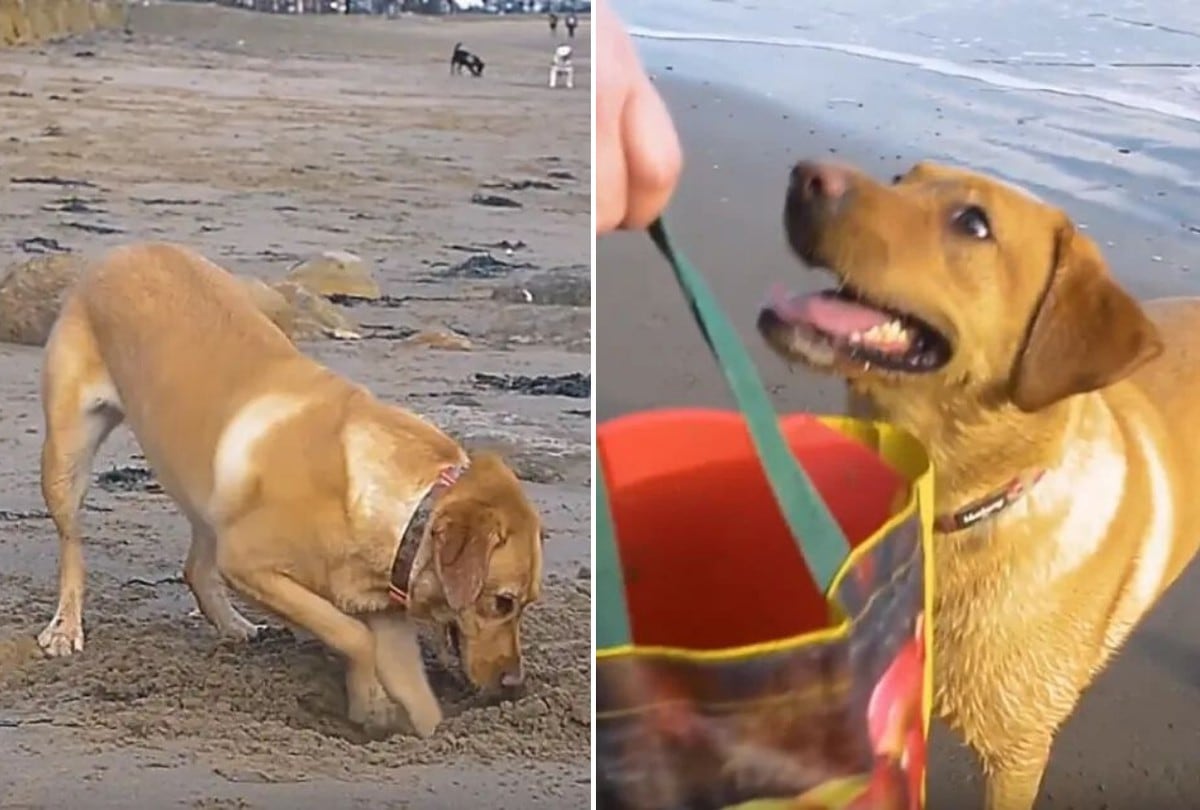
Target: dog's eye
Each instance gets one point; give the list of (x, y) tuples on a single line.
[(505, 605), (973, 222)]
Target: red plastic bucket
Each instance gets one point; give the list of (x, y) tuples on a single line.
[(707, 557)]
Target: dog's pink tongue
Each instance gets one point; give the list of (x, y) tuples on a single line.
[(835, 316)]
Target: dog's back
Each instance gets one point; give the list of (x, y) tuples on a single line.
[(154, 280), (133, 322)]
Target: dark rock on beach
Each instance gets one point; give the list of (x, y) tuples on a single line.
[(564, 286), (575, 385)]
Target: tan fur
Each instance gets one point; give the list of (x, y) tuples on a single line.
[(1054, 367), (297, 483)]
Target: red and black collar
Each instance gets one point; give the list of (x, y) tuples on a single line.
[(989, 505), (447, 477)]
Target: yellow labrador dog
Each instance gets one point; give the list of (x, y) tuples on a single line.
[(298, 484), (982, 320)]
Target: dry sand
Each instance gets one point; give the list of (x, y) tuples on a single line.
[(261, 140), (1132, 742)]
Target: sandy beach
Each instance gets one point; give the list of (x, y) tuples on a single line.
[(1132, 742), (262, 140)]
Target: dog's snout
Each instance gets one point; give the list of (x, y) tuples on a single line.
[(817, 194), (816, 182), (513, 677)]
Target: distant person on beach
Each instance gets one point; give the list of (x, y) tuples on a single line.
[(571, 22), (638, 157), (553, 23)]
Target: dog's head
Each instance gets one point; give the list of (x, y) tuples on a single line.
[(483, 569), (951, 284)]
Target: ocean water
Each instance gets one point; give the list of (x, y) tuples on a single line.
[(1098, 102)]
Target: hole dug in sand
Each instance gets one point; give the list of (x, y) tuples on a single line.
[(278, 706)]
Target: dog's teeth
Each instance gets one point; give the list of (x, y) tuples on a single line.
[(856, 337), (892, 331)]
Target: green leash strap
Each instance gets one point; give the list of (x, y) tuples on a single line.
[(814, 529)]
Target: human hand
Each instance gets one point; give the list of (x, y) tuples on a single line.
[(638, 158)]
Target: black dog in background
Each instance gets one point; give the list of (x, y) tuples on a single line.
[(462, 58)]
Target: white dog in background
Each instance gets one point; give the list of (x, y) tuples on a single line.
[(561, 66)]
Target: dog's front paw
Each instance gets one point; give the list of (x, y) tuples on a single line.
[(370, 707), (424, 716), (61, 637), (398, 666)]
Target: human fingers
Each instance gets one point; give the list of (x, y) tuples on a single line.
[(611, 171), (615, 62), (653, 155)]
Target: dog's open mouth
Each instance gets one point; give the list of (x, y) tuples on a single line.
[(843, 325)]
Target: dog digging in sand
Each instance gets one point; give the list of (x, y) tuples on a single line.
[(298, 484), (987, 324), (461, 58)]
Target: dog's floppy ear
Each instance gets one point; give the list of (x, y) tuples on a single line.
[(462, 551), (1086, 333)]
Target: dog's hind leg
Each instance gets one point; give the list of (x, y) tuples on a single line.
[(201, 574), (81, 408)]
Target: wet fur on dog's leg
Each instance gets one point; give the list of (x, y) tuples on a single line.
[(201, 575), (80, 411)]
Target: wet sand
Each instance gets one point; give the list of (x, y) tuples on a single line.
[(1132, 743), (262, 140)]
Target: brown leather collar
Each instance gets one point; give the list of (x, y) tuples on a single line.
[(989, 505), (409, 544)]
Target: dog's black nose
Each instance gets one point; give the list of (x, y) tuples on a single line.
[(819, 182)]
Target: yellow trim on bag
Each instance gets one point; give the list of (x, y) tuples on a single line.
[(908, 456)]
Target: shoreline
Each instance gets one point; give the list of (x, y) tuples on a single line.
[(1102, 111)]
